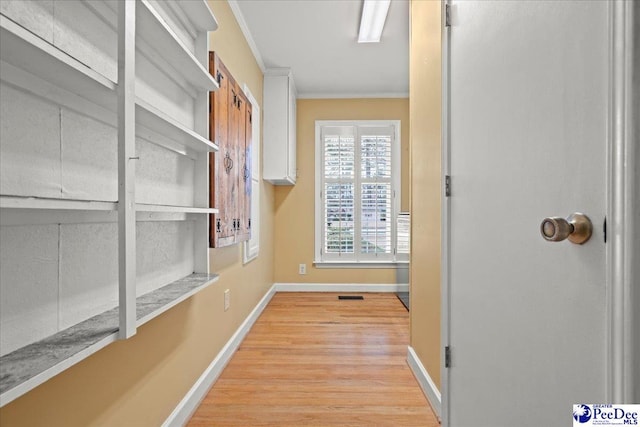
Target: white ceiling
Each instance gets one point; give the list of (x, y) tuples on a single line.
[(317, 39)]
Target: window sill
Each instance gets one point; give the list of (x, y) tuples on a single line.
[(361, 264)]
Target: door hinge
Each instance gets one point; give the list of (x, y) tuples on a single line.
[(447, 357), (604, 229), (447, 15), (447, 186)]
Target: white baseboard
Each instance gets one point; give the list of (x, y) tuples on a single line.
[(188, 405), (426, 383), (341, 287)]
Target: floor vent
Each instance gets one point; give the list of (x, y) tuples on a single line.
[(350, 297)]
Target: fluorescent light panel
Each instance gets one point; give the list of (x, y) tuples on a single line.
[(374, 14)]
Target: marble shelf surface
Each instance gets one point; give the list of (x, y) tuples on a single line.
[(45, 357)]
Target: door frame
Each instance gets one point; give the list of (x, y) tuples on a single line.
[(621, 250), (445, 215), (622, 198)]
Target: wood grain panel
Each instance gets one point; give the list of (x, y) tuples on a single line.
[(222, 184), (232, 152), (313, 360), (244, 187), (230, 128)]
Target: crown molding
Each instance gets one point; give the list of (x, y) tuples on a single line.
[(235, 8)]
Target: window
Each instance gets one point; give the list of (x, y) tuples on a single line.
[(357, 180), (251, 247)]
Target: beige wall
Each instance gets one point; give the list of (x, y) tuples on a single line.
[(138, 382), (425, 99), (294, 220)]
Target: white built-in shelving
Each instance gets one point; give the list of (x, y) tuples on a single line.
[(154, 124), (31, 54), (151, 28), (30, 366), (104, 194), (22, 51)]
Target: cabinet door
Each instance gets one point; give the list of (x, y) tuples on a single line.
[(230, 173), (222, 185), (240, 107), (292, 171), (244, 197)]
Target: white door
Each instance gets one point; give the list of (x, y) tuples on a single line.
[(528, 137)]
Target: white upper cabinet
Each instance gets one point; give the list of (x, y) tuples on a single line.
[(279, 153)]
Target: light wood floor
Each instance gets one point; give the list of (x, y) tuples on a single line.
[(312, 360)]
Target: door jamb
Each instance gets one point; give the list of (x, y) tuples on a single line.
[(445, 229), (622, 201)]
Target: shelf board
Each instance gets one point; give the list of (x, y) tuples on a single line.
[(199, 13), (32, 365), (143, 207), (16, 202), (156, 32), (23, 49), (157, 302), (157, 122)]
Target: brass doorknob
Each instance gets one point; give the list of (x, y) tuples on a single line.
[(577, 228)]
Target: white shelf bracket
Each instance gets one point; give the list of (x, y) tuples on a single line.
[(126, 168)]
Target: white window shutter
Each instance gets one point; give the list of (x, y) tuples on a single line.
[(338, 146), (376, 193), (357, 178)]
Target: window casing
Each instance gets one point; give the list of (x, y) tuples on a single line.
[(357, 191), (251, 247)]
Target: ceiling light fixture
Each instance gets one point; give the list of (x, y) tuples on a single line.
[(374, 14)]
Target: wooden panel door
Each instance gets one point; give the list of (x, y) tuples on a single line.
[(229, 174), (222, 184), (244, 196), (240, 109)]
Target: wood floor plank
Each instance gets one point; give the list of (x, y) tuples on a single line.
[(314, 360)]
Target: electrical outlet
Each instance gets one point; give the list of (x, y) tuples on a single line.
[(302, 269), (226, 300)]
